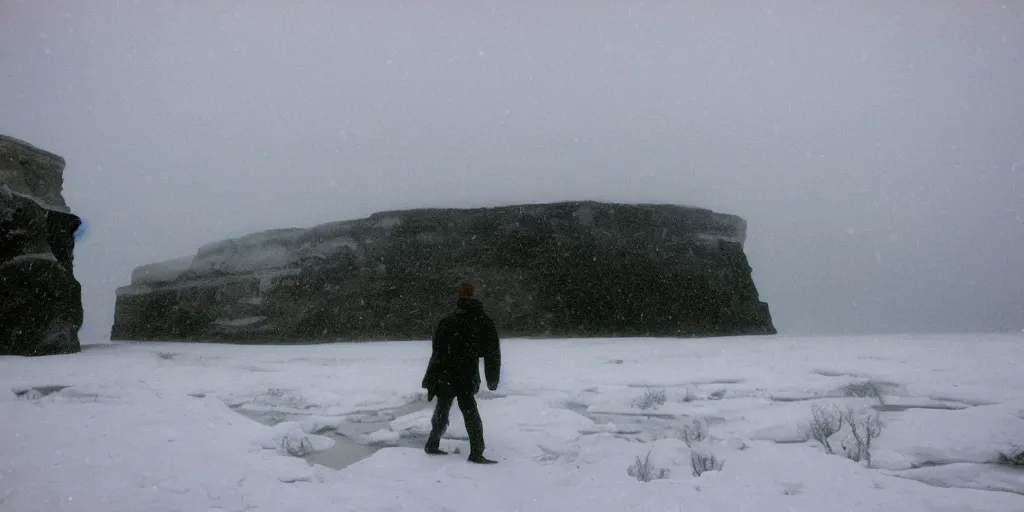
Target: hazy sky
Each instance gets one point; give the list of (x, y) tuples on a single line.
[(875, 148)]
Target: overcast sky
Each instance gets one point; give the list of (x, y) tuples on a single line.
[(875, 148)]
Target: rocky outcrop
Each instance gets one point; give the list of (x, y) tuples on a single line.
[(577, 269), (40, 299)]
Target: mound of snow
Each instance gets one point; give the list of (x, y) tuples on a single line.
[(382, 438), (418, 423), (923, 437), (288, 438), (986, 477)]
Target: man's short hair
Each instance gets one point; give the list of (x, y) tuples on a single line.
[(465, 290)]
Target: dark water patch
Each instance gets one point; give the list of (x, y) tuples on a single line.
[(577, 408), (719, 381), (717, 394), (788, 399), (347, 451), (37, 392), (89, 347), (968, 402), (933, 464)]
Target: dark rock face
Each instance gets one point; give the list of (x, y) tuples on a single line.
[(579, 269), (40, 299)]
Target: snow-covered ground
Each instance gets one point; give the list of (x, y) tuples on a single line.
[(166, 426)]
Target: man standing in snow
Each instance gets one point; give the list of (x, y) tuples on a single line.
[(461, 339)]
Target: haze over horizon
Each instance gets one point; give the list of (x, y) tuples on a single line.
[(875, 149)]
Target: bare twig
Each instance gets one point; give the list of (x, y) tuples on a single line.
[(824, 423), (702, 462), (695, 432), (644, 470), (864, 428)]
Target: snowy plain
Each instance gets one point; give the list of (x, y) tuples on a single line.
[(209, 427)]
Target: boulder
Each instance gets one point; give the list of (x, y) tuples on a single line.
[(572, 269), (40, 299)]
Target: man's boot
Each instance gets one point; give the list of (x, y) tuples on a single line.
[(478, 458), (438, 424), (475, 429)]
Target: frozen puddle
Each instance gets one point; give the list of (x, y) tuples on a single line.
[(352, 440), (907, 407), (643, 426)]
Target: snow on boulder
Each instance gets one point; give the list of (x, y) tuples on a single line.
[(162, 272), (260, 251), (45, 256), (288, 438), (418, 423), (318, 424)]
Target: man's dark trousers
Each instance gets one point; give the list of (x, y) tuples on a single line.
[(474, 425)]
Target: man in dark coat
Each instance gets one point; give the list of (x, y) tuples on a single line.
[(461, 339)]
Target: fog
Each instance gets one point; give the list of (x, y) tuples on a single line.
[(876, 149)]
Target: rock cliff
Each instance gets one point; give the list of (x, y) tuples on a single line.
[(575, 269), (40, 299)]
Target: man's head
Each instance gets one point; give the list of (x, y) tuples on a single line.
[(465, 290)]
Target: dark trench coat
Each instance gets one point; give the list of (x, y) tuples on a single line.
[(460, 340)]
